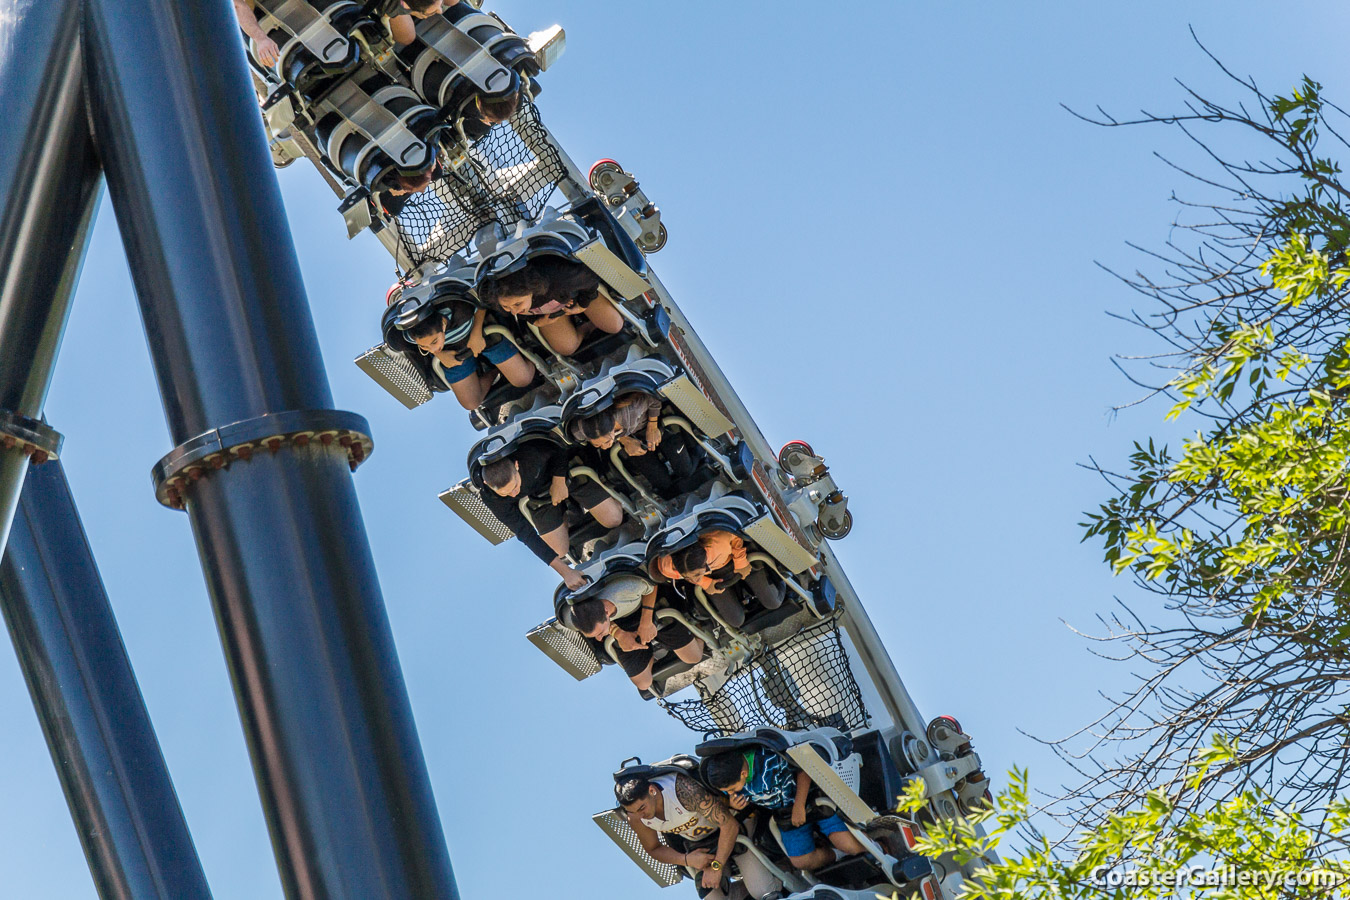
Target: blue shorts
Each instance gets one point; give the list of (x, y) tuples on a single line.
[(496, 353), (798, 841)]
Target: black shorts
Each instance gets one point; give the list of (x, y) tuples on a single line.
[(671, 635), (548, 517)]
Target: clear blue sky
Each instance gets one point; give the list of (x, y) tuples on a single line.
[(885, 228)]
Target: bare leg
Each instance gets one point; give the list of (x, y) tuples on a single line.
[(846, 843), (471, 391), (608, 513), (691, 652), (518, 370), (557, 540), (604, 316), (561, 335), (813, 860)]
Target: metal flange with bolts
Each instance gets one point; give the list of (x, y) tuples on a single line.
[(34, 439), (218, 448)]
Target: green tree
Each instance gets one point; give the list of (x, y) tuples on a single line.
[(1242, 847), (1242, 530), (1234, 748)]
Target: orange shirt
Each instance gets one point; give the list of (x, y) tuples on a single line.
[(722, 547)]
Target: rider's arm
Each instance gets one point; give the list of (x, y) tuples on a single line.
[(651, 842), (693, 795), (243, 11)]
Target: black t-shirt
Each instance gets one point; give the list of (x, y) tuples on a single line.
[(540, 462)]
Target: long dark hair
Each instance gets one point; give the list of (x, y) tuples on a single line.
[(592, 427)]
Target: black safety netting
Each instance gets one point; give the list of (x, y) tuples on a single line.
[(512, 172), (804, 682)]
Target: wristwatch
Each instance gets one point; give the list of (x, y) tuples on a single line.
[(715, 866)]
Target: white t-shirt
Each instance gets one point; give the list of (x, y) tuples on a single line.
[(626, 593), (688, 824)]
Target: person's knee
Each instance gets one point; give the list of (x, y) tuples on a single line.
[(803, 862), (518, 370), (691, 652), (604, 316), (609, 513), (564, 341), (642, 680), (846, 842)]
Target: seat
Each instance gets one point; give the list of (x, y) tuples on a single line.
[(315, 40), (506, 439), (372, 129), (464, 53)]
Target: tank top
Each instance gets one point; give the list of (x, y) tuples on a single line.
[(690, 825)]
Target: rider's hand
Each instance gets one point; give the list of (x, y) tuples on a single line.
[(699, 859), (477, 343), (573, 579), (632, 446), (738, 800), (557, 491), (653, 435), (647, 631), (628, 642), (798, 815), (266, 51), (711, 879)]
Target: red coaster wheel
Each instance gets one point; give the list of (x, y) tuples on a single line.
[(943, 722), (598, 171), (800, 446)]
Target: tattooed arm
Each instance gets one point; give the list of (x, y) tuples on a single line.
[(694, 796)]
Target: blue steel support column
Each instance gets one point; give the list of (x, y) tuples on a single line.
[(91, 711), (49, 181), (262, 464)]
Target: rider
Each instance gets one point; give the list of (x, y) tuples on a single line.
[(450, 331), (763, 778), (538, 471), (714, 564), (625, 609), (634, 422), (698, 831), (549, 291)]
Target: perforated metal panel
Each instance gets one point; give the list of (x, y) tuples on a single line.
[(780, 545), (698, 408), (464, 500), (602, 261), (393, 372), (831, 781), (621, 833), (565, 647)]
